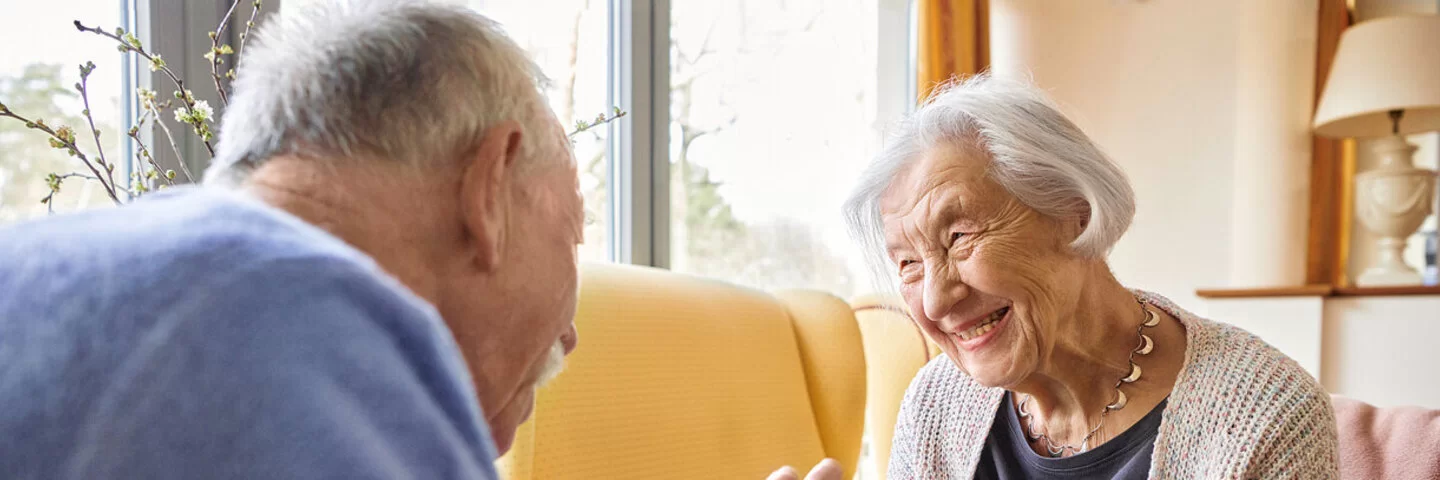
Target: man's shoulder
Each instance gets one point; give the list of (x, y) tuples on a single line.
[(154, 252)]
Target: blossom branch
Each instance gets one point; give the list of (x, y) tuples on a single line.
[(129, 43), (148, 103), (83, 88), (63, 139), (216, 50), (254, 11), (582, 125)]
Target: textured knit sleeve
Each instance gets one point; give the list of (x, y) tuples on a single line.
[(1303, 444), (903, 449)]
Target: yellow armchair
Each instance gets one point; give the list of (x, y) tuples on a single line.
[(895, 349), (683, 377)]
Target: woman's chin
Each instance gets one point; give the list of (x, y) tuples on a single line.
[(991, 373)]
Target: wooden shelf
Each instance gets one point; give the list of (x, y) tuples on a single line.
[(1295, 291), (1317, 291), (1381, 291)]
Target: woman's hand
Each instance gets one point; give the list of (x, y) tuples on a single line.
[(827, 469)]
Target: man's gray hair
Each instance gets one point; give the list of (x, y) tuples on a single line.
[(386, 80), (1035, 153)]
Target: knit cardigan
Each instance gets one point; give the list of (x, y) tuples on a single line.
[(1239, 409)]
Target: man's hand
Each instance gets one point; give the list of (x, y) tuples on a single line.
[(827, 469)]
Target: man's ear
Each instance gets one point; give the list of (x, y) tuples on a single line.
[(485, 192)]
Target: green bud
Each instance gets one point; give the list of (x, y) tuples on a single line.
[(152, 174), (119, 32), (212, 34), (170, 174)]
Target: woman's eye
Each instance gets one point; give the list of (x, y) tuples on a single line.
[(906, 263), (955, 237)]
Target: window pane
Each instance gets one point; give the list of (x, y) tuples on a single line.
[(568, 39), (773, 115), (37, 76)]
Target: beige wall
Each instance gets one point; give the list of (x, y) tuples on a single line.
[(1206, 105), (1380, 350), (1198, 102)]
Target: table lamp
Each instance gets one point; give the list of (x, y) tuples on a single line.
[(1385, 83)]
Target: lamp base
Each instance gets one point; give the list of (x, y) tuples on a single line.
[(1390, 270), (1391, 201)]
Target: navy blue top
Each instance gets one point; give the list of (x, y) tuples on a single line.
[(1008, 456)]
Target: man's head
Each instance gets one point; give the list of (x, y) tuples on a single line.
[(418, 133)]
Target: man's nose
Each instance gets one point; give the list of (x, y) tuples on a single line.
[(569, 339)]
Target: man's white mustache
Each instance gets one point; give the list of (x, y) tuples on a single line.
[(552, 365)]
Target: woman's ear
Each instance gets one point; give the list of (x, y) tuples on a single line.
[(485, 192)]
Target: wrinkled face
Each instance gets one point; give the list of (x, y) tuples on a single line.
[(986, 278), (517, 323)]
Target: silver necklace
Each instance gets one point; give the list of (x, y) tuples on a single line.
[(1145, 346)]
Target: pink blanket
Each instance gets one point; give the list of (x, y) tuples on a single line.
[(1387, 443)]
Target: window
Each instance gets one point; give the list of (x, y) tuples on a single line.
[(775, 109), (568, 39), (37, 77)]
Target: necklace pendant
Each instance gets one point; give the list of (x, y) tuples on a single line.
[(1134, 374), (1120, 402), (1147, 345), (1151, 319)]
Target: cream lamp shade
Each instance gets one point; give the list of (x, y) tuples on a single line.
[(1390, 63)]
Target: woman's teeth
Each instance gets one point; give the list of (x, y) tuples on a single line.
[(985, 326)]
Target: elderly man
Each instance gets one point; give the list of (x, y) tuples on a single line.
[(393, 171), (391, 202)]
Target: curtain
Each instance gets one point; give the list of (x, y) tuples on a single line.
[(1332, 167), (953, 41)]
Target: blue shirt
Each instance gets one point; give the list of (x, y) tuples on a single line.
[(202, 334)]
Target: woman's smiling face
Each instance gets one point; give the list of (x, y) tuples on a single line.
[(987, 278)]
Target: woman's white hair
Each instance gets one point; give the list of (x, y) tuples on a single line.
[(389, 80), (1035, 153)]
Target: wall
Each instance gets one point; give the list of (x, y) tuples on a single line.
[(1181, 93), (1380, 350), (1207, 105)]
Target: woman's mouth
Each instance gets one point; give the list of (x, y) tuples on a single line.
[(972, 337)]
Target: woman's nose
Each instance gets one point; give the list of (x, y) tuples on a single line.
[(942, 291)]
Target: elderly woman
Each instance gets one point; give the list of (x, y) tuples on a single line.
[(995, 214)]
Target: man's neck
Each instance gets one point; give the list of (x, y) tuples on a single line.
[(390, 217)]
